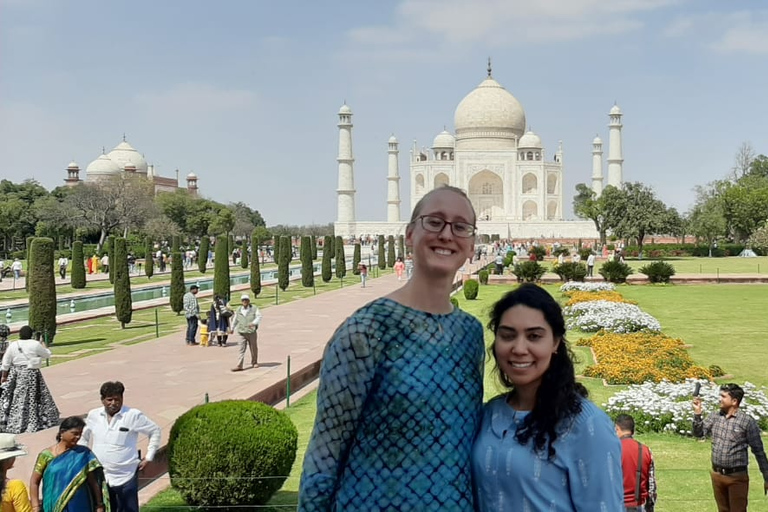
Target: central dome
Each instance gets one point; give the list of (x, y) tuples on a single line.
[(489, 112), (125, 154)]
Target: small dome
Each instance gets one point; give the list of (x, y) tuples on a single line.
[(102, 166), (444, 140), (597, 140), (73, 165), (345, 109), (125, 154), (615, 110), (489, 108), (530, 140), (393, 139), (191, 176)]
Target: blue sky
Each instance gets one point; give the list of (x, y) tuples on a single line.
[(245, 93)]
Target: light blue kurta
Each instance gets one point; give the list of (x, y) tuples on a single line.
[(584, 476), (399, 404)]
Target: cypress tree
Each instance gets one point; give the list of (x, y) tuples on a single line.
[(401, 246), (175, 244), (283, 264), (332, 247), (177, 282), (111, 257), (221, 268), (77, 279), (123, 301), (28, 275), (276, 249), (314, 248), (391, 251), (356, 260), (382, 255), (341, 261), (244, 257), (307, 269), (231, 244), (202, 257), (255, 270), (149, 260), (42, 288), (326, 267)]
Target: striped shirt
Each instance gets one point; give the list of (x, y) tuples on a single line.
[(730, 437)]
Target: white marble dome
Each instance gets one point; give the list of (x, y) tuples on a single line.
[(393, 139), (489, 108), (444, 140), (191, 176), (124, 154), (345, 109), (102, 166), (615, 110), (597, 140), (530, 140), (73, 165)]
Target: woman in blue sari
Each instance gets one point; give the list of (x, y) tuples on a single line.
[(71, 475)]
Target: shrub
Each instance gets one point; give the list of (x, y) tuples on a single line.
[(77, 277), (255, 268), (243, 465), (455, 302), (202, 255), (390, 251), (616, 317), (639, 357), (356, 257), (341, 260), (610, 296), (715, 370), (221, 268), (584, 254), (509, 258), (570, 271), (529, 271), (284, 263), (177, 283), (123, 300), (305, 255), (658, 271), (483, 276), (149, 259), (326, 269), (471, 288), (539, 251), (42, 288), (615, 271), (382, 256), (111, 256), (561, 250)]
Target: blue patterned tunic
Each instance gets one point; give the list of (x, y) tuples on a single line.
[(399, 403)]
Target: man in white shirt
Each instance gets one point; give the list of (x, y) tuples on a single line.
[(63, 262), (590, 264), (113, 432), (16, 267)]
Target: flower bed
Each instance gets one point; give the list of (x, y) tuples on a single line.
[(618, 317), (571, 286), (666, 407), (639, 357), (578, 297)]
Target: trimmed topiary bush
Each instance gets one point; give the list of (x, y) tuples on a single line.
[(177, 283), (230, 245), (391, 251), (123, 300), (455, 302), (356, 257), (539, 251), (307, 269), (716, 370), (314, 248), (382, 255), (340, 259), (326, 269), (471, 288), (243, 465), (529, 271), (244, 257), (483, 276), (570, 271), (221, 268), (255, 268), (276, 248), (202, 255), (111, 256), (401, 246), (42, 288), (77, 278), (658, 271), (509, 258), (615, 271), (149, 259), (175, 244), (28, 275), (283, 264)]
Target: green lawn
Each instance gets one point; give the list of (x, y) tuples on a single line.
[(730, 265), (725, 324)]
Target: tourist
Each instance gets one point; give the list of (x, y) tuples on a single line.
[(93, 264), (590, 264), (637, 467), (16, 267), (192, 313), (71, 476), (499, 263), (732, 431), (14, 493), (132, 263), (399, 268), (26, 404), (408, 267), (401, 384), (63, 263), (542, 445), (218, 321), (363, 273), (245, 322), (105, 263), (113, 432)]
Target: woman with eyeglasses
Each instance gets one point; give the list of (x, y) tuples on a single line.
[(401, 384)]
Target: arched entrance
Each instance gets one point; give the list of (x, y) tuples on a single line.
[(486, 192), (441, 180)]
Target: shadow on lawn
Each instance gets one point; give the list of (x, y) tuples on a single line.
[(77, 342)]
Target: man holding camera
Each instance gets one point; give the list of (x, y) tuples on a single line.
[(732, 431)]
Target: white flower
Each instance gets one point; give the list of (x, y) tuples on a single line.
[(571, 286), (618, 317)]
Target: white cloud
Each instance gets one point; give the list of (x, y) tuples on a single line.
[(746, 32), (196, 99)]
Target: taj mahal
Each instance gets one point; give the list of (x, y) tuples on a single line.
[(515, 186)]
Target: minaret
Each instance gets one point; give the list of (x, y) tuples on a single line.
[(393, 182), (615, 158), (345, 211), (73, 174), (597, 166)]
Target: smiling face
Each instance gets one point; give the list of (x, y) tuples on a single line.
[(441, 253), (524, 346), (71, 437)]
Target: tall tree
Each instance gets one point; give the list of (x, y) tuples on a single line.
[(382, 253), (276, 248), (587, 205), (307, 268), (742, 161), (123, 300), (202, 257), (283, 264), (78, 266), (326, 270), (356, 257), (391, 251), (707, 218), (111, 255), (149, 258), (244, 257), (28, 276), (634, 212), (177, 282), (401, 246), (341, 260), (221, 268), (255, 269), (314, 247), (42, 289)]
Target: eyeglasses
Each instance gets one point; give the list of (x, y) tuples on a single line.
[(436, 225)]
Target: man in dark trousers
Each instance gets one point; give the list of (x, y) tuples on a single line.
[(732, 431), (637, 466)]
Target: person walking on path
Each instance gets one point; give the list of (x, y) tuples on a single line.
[(112, 432), (192, 313), (407, 363), (63, 263), (732, 431), (16, 267), (363, 274), (105, 263), (399, 268), (245, 322), (637, 466), (590, 264)]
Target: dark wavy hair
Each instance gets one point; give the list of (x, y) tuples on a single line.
[(111, 389), (70, 423), (559, 395)]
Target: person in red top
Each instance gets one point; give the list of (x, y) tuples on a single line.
[(639, 476)]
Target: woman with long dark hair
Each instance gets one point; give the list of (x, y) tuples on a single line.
[(542, 445), (218, 321)]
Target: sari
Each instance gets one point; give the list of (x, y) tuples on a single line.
[(65, 480)]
